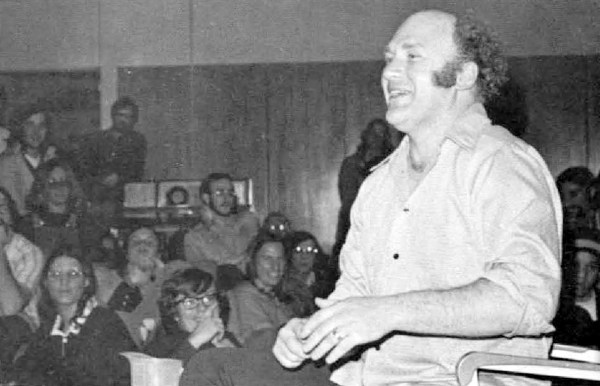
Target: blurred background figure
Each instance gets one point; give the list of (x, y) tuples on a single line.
[(56, 207), (309, 269), (193, 314), (573, 184), (377, 141), (18, 166), (277, 224)]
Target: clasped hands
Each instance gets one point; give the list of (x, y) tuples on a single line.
[(333, 331)]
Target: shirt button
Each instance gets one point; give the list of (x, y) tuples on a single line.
[(395, 256), (405, 209)]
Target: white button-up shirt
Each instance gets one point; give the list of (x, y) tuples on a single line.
[(487, 209)]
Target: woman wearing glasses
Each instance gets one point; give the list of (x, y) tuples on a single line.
[(309, 265), (78, 342), (193, 316), (308, 274)]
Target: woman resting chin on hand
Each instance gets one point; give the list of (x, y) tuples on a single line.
[(191, 316)]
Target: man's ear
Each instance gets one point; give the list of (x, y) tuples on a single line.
[(206, 198), (466, 77)]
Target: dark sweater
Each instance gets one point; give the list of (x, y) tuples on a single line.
[(89, 358)]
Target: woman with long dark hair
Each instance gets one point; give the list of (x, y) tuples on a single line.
[(78, 342), (57, 208), (309, 268), (260, 304)]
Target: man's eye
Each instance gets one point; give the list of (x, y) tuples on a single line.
[(413, 56)]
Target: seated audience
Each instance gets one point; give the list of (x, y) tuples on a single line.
[(57, 208), (218, 243), (309, 267), (18, 165), (573, 184), (578, 319), (21, 263), (78, 342), (259, 304), (133, 290), (277, 224), (192, 313)]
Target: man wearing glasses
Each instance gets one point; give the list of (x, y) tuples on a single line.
[(217, 244)]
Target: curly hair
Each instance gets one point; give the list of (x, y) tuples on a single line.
[(477, 43)]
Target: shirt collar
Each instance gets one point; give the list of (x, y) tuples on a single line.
[(467, 129)]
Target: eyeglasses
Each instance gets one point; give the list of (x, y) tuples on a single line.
[(224, 192), (71, 275), (205, 301), (299, 249), (58, 184)]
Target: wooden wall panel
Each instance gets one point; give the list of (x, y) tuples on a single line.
[(229, 124), (164, 97), (593, 113), (71, 96), (556, 95), (307, 109)]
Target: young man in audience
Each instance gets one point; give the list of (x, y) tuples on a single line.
[(18, 165), (218, 243), (454, 240)]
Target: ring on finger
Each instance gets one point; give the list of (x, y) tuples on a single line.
[(336, 335)]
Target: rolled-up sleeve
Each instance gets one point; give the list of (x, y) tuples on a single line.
[(521, 228)]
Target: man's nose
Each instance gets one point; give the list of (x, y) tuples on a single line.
[(394, 69)]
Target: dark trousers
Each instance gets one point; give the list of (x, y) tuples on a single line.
[(237, 367)]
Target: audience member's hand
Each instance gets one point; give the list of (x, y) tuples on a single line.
[(340, 326), (288, 346), (138, 276), (205, 328)]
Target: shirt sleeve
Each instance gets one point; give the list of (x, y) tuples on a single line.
[(521, 228)]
